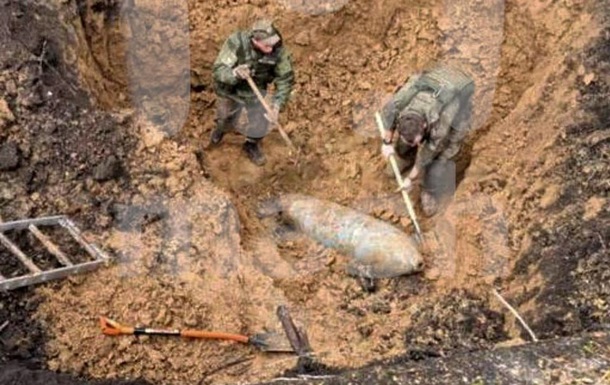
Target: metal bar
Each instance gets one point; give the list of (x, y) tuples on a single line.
[(31, 279), (297, 337), (25, 223), (294, 334), (19, 254), (78, 237), (100, 254), (53, 249)]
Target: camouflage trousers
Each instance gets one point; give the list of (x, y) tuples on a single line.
[(228, 112), (439, 178)]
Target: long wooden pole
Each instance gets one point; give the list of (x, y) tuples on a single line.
[(399, 180)]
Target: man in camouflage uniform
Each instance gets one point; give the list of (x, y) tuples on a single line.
[(258, 53), (431, 113)]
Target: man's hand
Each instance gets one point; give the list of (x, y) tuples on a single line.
[(274, 116), (407, 184), (387, 150), (242, 71)]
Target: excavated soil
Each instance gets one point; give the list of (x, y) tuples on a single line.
[(530, 215)]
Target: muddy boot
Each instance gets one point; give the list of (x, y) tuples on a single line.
[(216, 136), (429, 204), (254, 153)]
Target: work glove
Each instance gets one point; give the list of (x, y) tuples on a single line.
[(387, 150), (242, 71), (407, 184), (274, 115)]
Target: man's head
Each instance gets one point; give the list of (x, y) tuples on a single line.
[(265, 36), (412, 128)]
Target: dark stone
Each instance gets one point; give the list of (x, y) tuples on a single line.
[(380, 307), (9, 156), (109, 169)]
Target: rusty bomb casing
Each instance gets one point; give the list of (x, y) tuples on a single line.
[(377, 249)]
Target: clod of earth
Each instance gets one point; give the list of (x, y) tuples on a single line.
[(6, 115), (107, 170), (9, 156)]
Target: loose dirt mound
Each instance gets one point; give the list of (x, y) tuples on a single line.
[(180, 217)]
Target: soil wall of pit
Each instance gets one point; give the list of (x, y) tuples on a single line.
[(179, 217)]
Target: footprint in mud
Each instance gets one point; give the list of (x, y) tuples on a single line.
[(230, 167)]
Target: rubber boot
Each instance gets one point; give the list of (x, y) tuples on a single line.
[(429, 204), (438, 186), (254, 153)]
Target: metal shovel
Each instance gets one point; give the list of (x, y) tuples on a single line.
[(266, 342)]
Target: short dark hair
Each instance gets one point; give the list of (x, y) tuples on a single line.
[(410, 125)]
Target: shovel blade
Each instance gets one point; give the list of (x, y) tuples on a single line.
[(272, 342)]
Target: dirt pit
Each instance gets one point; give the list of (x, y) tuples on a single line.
[(100, 135)]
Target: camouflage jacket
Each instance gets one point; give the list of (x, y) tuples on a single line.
[(274, 68), (443, 96)]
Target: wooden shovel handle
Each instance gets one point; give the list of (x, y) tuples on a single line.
[(268, 109), (215, 335), (397, 174)]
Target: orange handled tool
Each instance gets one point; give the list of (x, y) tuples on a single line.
[(263, 341)]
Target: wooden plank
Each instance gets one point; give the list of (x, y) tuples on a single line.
[(53, 248), (19, 254)]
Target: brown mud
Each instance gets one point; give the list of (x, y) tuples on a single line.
[(530, 215)]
